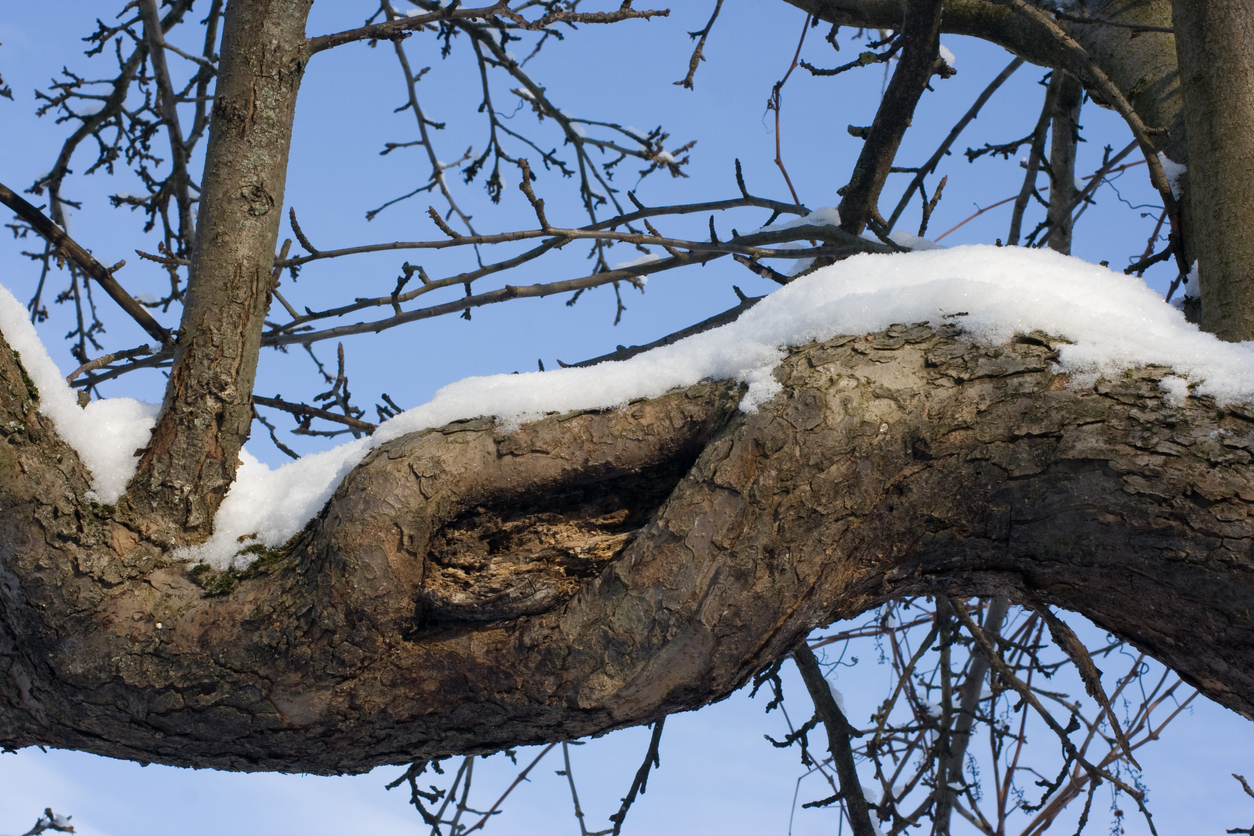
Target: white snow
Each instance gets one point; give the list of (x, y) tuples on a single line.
[(838, 696), (1192, 282), (644, 259), (647, 258), (664, 157), (106, 434), (914, 242), (947, 57), (1175, 389), (1113, 322), (1174, 172), (823, 216)]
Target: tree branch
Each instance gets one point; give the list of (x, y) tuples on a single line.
[(64, 246)]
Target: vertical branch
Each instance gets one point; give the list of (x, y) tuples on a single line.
[(190, 460), (974, 111), (698, 51), (775, 103), (839, 735), (1068, 97), (167, 104), (960, 736), (1215, 49), (920, 34), (1033, 166)]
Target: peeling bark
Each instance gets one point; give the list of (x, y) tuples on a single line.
[(476, 586)]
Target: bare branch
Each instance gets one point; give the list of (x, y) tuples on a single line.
[(63, 246)]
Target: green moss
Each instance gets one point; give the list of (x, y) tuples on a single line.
[(218, 582), (213, 581), (102, 510), (31, 388)]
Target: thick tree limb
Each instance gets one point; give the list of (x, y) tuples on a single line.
[(478, 586)]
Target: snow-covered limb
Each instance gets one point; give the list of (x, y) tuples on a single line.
[(876, 459), (1109, 322)]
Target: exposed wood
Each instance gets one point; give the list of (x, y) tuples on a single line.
[(611, 568)]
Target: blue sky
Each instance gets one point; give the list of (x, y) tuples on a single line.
[(718, 774)]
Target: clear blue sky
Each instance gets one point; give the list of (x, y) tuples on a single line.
[(718, 774)]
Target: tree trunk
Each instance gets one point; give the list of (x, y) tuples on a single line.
[(1215, 44), (190, 462), (476, 586)]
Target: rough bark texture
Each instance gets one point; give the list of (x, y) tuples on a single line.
[(190, 461), (1215, 42), (475, 586)]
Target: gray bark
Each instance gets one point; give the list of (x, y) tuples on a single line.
[(1215, 42), (477, 587)]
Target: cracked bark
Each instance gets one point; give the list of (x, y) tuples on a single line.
[(475, 587)]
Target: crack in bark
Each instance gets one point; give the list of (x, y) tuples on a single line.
[(912, 461)]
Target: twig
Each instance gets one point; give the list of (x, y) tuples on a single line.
[(1070, 643), (1035, 155), (522, 776), (920, 37), (974, 111), (775, 103), (1109, 91), (301, 410), (697, 56), (92, 365), (641, 781), (398, 29), (967, 220), (717, 321)]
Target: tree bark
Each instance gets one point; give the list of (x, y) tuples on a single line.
[(475, 587), (190, 462), (1215, 45)]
